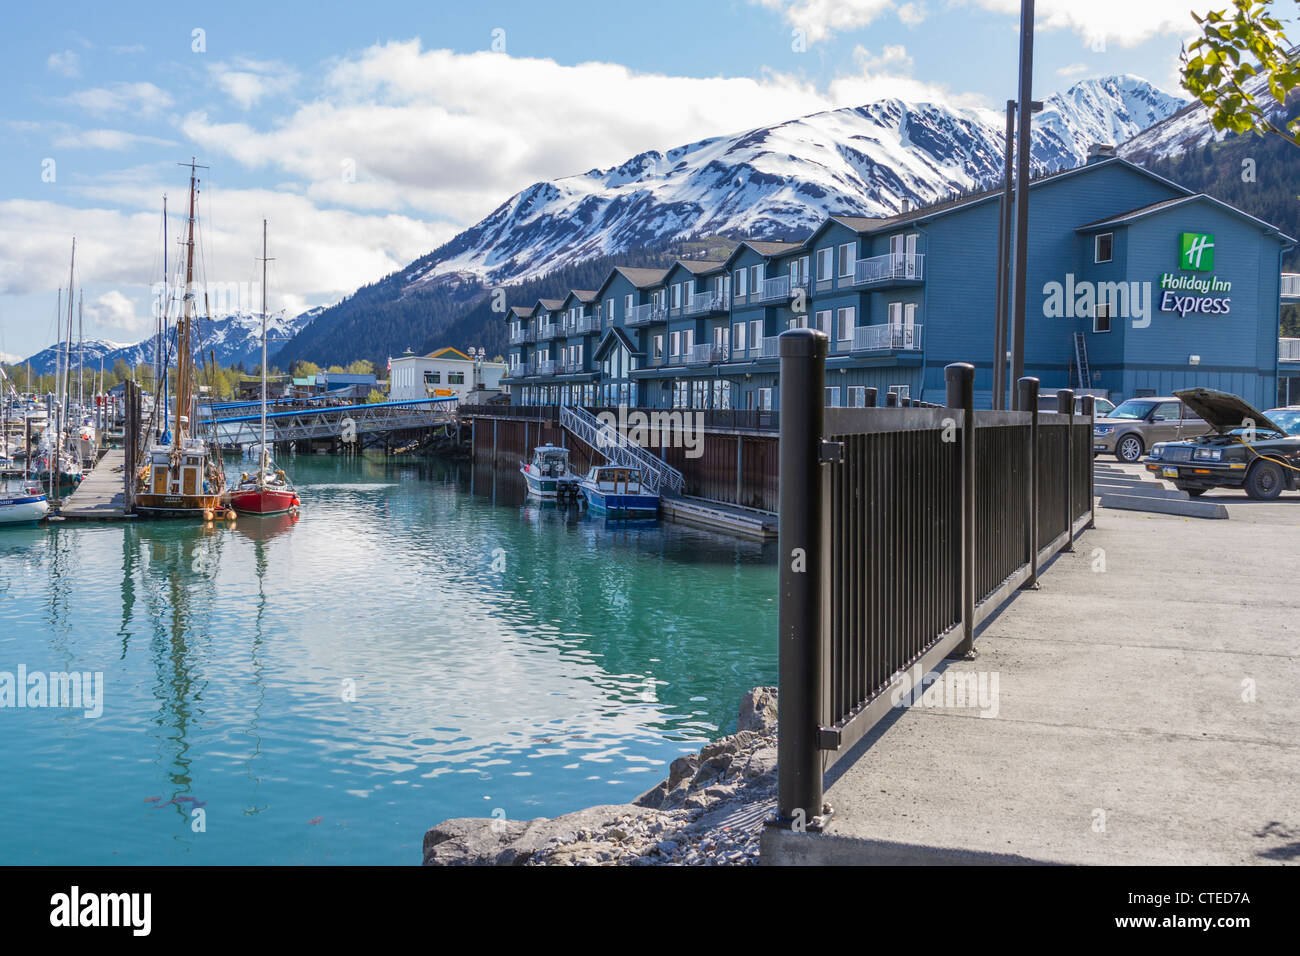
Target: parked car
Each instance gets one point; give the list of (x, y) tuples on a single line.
[(1244, 449), (1288, 416), (1047, 403), (1137, 424)]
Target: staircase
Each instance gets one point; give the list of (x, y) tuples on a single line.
[(657, 476), (1081, 360)]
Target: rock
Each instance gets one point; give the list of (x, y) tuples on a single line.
[(758, 711)]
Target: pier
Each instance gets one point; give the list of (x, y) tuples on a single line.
[(101, 496)]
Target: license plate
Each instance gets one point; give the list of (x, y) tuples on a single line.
[(1169, 472)]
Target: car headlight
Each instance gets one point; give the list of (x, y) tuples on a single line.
[(1208, 454), (1102, 429), (1157, 450)]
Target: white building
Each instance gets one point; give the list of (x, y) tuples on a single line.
[(442, 374)]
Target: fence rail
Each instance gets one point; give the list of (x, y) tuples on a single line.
[(901, 529)]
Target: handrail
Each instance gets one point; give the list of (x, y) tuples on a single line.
[(656, 474)]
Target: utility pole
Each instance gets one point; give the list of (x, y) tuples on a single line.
[(1025, 111)]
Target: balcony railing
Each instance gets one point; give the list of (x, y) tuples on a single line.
[(894, 265), (1291, 285), (545, 332), (572, 368), (883, 338), (638, 315), (546, 367), (707, 354), (770, 348), (1288, 350), (587, 323), (705, 302), (523, 337), (776, 289)]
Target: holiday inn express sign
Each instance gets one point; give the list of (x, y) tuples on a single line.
[(1187, 295)]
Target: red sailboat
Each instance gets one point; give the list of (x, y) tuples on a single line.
[(267, 491)]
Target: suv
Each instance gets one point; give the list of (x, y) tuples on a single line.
[(1246, 449), (1047, 403), (1137, 424)]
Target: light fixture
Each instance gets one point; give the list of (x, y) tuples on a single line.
[(1193, 360)]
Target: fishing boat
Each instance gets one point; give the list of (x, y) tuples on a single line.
[(22, 504), (182, 475), (548, 475), (616, 492), (267, 491)]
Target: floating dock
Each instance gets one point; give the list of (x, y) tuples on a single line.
[(101, 496), (717, 516)]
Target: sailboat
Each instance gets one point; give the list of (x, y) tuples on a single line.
[(183, 475), (268, 490)]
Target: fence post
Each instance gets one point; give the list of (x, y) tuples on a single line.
[(799, 550), (960, 379), (1065, 405), (1027, 396), (891, 399), (1090, 413), (869, 398)]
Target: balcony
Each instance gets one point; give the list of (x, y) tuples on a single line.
[(1288, 350), (707, 354), (892, 267), (704, 303), (572, 368), (777, 289), (586, 324), (771, 348), (1291, 286), (523, 337), (887, 338), (638, 315), (546, 367), (545, 332)]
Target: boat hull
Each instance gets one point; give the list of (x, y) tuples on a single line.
[(548, 489), (263, 501), (614, 505), (28, 509), (177, 506)]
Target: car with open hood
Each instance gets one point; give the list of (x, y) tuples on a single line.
[(1245, 449), (1134, 426)]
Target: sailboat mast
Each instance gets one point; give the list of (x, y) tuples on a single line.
[(183, 356), (264, 458), (81, 352)]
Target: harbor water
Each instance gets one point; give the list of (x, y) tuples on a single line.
[(423, 642)]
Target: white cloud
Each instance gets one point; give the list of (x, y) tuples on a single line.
[(1072, 69), (1098, 22), (142, 98), (891, 57), (819, 19), (66, 63), (114, 311), (247, 81), (109, 139), (912, 14)]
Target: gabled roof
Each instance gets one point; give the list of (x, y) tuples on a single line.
[(550, 305), (640, 278), (582, 296), (700, 267), (612, 337), (522, 311), (765, 249), (442, 353), (1142, 212)]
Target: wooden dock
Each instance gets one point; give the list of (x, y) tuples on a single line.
[(101, 496), (719, 516)]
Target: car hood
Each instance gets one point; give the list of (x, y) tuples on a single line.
[(1223, 412)]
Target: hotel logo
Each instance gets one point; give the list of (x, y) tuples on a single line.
[(1196, 252)]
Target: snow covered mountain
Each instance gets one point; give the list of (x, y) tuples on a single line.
[(234, 339), (780, 181)]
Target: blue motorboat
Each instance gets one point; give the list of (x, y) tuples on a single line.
[(616, 492)]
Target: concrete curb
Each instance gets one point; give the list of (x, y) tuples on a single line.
[(1164, 506)]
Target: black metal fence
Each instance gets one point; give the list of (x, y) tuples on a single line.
[(738, 419), (902, 528)]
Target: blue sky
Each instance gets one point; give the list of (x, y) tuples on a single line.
[(368, 133)]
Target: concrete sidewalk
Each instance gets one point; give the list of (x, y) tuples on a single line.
[(1123, 733)]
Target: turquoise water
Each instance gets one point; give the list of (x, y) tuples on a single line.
[(422, 643)]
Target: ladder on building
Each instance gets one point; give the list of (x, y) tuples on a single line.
[(1081, 360), (657, 476)]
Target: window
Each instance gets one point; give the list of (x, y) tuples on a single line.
[(1103, 247), (1167, 412), (756, 277), (674, 344), (857, 396), (844, 327), (627, 304), (756, 334), (832, 398), (909, 314), (902, 391), (1101, 317), (895, 313), (824, 321), (825, 264), (846, 259), (455, 378), (677, 295), (658, 348), (432, 378), (688, 340), (739, 336), (765, 399), (742, 282)]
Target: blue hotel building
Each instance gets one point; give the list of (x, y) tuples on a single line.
[(1136, 286)]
